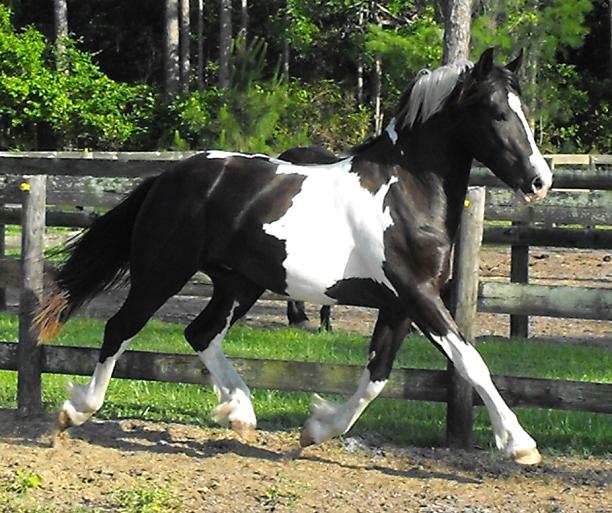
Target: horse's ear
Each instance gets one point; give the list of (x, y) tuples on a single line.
[(515, 65), (485, 64)]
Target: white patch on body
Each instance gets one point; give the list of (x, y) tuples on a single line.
[(85, 400), (332, 231), (218, 154), (233, 393), (509, 434), (329, 419), (536, 159)]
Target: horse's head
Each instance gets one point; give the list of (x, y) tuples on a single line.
[(494, 127)]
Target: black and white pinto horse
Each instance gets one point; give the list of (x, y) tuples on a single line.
[(391, 210), (296, 310)]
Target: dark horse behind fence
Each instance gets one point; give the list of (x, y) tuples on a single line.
[(251, 223)]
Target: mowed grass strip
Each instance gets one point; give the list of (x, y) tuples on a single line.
[(401, 422)]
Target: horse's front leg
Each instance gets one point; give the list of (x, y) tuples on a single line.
[(330, 419), (437, 324)]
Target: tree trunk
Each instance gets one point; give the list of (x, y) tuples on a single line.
[(185, 47), (244, 19), (200, 45), (225, 42), (171, 50), (529, 71), (360, 80), (457, 30), (286, 47), (610, 29), (360, 64), (376, 93), (60, 12)]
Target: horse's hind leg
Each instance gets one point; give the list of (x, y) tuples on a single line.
[(330, 419), (325, 316), (143, 300), (233, 296), (296, 314)]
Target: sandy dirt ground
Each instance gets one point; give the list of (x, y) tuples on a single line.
[(212, 470)]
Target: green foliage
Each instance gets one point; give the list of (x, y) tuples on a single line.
[(323, 113), (557, 95), (405, 51), (14, 493), (51, 101), (75, 106), (267, 115), (23, 480), (147, 500), (270, 117)]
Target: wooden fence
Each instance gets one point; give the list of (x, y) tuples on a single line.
[(74, 188)]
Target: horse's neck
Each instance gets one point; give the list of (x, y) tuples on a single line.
[(430, 155)]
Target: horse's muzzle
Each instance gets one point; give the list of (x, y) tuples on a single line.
[(536, 190)]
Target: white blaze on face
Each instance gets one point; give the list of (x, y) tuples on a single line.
[(332, 231), (536, 159)]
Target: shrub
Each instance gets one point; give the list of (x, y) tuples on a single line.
[(77, 106)]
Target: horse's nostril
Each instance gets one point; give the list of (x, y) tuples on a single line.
[(537, 184)]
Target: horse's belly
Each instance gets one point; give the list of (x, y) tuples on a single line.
[(309, 274)]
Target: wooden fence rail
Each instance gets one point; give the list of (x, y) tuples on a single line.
[(412, 384)]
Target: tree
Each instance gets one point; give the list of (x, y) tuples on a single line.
[(225, 42), (171, 53), (244, 19), (76, 107), (185, 36), (200, 45), (610, 28), (60, 12), (551, 88), (457, 24)]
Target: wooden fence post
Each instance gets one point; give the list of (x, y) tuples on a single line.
[(459, 413), (3, 303), (32, 244), (519, 273)]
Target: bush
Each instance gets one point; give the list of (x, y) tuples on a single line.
[(75, 106), (268, 117)]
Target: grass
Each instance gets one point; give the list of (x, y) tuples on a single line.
[(402, 422), (17, 495)]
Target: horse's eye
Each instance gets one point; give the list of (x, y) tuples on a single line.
[(500, 116)]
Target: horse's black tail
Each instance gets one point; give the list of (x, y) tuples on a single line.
[(96, 260)]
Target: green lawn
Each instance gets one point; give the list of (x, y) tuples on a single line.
[(402, 422)]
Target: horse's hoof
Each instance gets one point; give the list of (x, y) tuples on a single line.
[(305, 439), (527, 456), (63, 421), (244, 430), (58, 432), (293, 454)]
